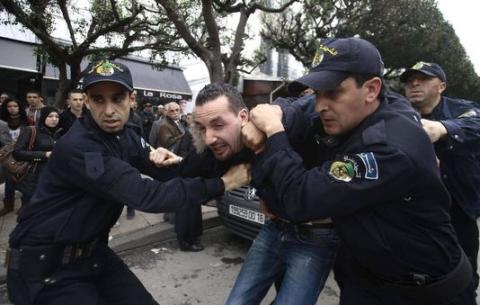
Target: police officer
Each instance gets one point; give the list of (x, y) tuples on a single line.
[(378, 179), (58, 251), (453, 126)]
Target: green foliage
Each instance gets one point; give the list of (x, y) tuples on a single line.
[(405, 32)]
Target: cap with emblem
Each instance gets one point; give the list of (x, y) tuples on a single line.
[(108, 71), (335, 60), (428, 68)]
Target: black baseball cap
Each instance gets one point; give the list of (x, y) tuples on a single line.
[(108, 71), (335, 60), (428, 68)]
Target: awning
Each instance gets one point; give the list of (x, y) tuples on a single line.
[(147, 78), (163, 85), (18, 56)]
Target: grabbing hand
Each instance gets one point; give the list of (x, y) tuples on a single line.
[(236, 176), (434, 129), (253, 138), (163, 157), (267, 118)]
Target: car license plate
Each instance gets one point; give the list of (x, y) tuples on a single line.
[(247, 214)]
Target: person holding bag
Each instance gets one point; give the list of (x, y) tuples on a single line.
[(46, 135), (13, 113)]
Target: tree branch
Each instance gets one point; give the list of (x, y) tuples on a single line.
[(63, 7)]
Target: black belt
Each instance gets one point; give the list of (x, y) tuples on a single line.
[(55, 254), (304, 225), (422, 288)]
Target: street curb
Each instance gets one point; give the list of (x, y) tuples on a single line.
[(145, 236)]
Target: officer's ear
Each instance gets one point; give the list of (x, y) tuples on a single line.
[(87, 101), (372, 89), (441, 87)]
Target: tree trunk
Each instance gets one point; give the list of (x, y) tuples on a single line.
[(215, 70), (63, 87)]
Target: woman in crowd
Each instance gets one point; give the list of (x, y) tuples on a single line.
[(47, 132), (13, 113)]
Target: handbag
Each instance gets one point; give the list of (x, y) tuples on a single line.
[(17, 170)]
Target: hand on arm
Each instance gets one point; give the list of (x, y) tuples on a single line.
[(434, 129), (267, 118), (163, 157), (236, 176)]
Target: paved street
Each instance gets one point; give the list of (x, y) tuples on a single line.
[(179, 278)]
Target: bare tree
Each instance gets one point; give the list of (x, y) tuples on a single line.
[(105, 29), (203, 26)]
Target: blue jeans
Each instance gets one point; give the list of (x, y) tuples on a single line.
[(305, 259)]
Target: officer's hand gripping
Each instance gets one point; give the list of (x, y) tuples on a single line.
[(236, 176), (163, 157)]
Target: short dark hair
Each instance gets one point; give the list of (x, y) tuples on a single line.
[(360, 79), (74, 91), (215, 90), (33, 91)]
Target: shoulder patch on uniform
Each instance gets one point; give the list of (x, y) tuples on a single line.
[(371, 167), (343, 171), (94, 164), (469, 113)]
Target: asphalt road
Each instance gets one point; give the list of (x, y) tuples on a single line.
[(184, 278)]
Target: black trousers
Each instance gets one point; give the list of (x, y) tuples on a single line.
[(467, 233), (188, 223), (356, 289), (101, 279)]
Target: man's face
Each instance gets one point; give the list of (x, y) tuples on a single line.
[(220, 127), (423, 91), (76, 101), (147, 107), (109, 104), (134, 105), (183, 106), (343, 108), (173, 112), (33, 99)]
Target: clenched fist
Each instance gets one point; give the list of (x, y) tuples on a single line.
[(253, 138)]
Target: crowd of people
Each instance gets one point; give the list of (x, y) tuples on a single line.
[(379, 187)]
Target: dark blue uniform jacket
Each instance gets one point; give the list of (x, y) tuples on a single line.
[(459, 153), (88, 179), (380, 183)]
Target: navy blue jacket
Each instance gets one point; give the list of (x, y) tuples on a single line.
[(90, 176), (381, 185), (459, 152)]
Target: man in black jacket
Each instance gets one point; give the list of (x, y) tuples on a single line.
[(58, 251), (377, 178), (453, 126)]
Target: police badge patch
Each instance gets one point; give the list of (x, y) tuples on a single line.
[(343, 171), (105, 68), (468, 114)]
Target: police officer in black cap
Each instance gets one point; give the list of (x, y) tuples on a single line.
[(58, 251), (377, 178), (453, 126)]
